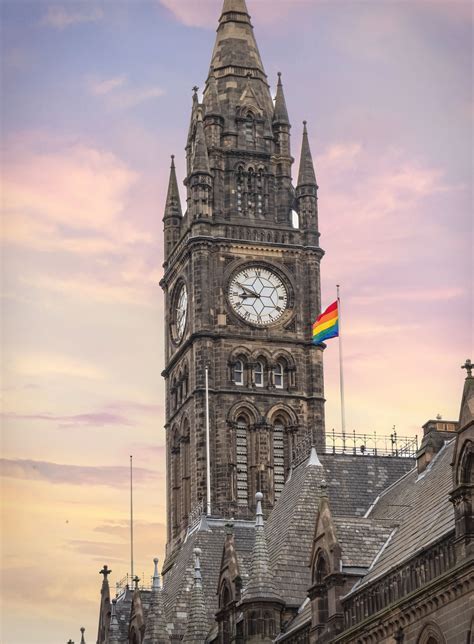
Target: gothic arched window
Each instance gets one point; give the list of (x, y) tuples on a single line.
[(249, 129), (185, 470), (175, 480), (252, 623), (242, 460), (278, 375), (238, 372), (240, 188), (320, 573), (278, 456), (259, 374)]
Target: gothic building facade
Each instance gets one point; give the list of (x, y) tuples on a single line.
[(271, 536)]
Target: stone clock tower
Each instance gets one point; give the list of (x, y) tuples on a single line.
[(242, 287)]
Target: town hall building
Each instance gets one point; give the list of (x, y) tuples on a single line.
[(279, 531)]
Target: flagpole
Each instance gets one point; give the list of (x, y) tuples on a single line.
[(208, 447), (341, 373), (131, 517)]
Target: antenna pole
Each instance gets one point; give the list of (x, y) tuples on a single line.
[(341, 373), (208, 447), (131, 517)]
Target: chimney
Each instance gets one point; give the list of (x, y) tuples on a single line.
[(435, 434)]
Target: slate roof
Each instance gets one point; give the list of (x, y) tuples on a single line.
[(354, 483), (420, 505), (361, 540), (302, 619), (178, 581)]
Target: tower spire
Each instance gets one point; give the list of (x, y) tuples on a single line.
[(306, 175), (261, 583), (197, 627), (200, 163), (280, 113), (114, 628), (155, 631), (173, 202)]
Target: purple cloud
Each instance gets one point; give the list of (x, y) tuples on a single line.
[(60, 473)]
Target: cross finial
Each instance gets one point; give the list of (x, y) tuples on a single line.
[(135, 580), (468, 366), (195, 89), (105, 571)]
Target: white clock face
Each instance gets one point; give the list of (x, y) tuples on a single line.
[(181, 311), (258, 295)]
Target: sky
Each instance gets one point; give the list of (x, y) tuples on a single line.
[(96, 97)]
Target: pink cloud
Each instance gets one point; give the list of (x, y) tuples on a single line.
[(93, 419)]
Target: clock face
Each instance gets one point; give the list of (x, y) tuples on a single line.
[(258, 295), (181, 311)]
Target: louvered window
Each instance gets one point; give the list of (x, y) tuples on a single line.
[(278, 458), (241, 462)]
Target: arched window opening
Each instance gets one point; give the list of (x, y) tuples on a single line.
[(242, 461), (175, 480), (278, 375), (258, 374), (295, 219), (320, 574), (238, 372), (251, 191), (240, 188), (252, 623), (249, 128), (268, 625), (186, 471), (278, 456)]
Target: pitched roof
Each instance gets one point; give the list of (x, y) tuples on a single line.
[(354, 482), (361, 539), (178, 580), (420, 505)]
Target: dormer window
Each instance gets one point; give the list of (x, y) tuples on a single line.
[(238, 373)]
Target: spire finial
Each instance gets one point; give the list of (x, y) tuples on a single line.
[(197, 567), (259, 513), (156, 576), (324, 489), (105, 571), (468, 366), (135, 580), (83, 641), (173, 201)]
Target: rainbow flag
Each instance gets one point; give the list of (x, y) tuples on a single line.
[(327, 324)]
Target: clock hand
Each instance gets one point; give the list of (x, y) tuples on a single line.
[(248, 291)]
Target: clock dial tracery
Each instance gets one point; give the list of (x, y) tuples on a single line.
[(258, 295)]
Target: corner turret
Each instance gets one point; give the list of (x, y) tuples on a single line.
[(307, 191)]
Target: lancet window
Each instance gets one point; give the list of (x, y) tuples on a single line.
[(259, 374), (278, 456), (278, 375), (250, 191), (241, 460), (238, 372)]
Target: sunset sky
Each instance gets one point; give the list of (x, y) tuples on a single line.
[(96, 96)]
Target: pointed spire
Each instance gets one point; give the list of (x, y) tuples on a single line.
[(234, 6), (306, 176), (173, 202), (197, 627), (466, 414), (83, 641), (261, 583), (155, 630), (313, 458), (114, 629), (280, 113), (242, 50), (200, 158)]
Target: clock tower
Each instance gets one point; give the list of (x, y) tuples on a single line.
[(242, 288)]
